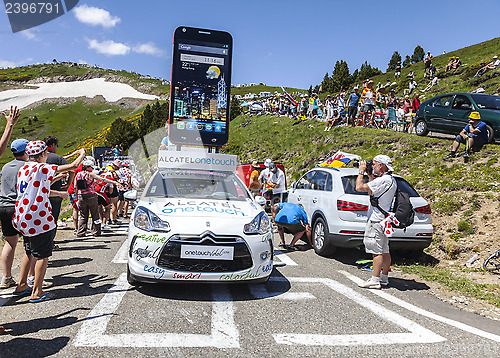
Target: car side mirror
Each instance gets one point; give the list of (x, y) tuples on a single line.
[(260, 200)]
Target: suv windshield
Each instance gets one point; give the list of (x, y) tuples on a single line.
[(174, 183), (349, 183), (487, 102)]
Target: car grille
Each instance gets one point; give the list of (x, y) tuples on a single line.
[(170, 255)]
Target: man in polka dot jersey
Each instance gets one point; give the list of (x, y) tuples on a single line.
[(33, 214)]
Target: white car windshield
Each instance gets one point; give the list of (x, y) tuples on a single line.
[(196, 184)]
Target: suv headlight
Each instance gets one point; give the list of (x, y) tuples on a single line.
[(259, 225), (146, 220)]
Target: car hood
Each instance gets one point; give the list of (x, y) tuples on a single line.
[(202, 208)]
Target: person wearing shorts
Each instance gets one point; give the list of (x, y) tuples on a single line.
[(33, 217), (368, 100), (382, 188), (8, 195), (474, 135), (292, 218)]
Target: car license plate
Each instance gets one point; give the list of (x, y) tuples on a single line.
[(207, 252)]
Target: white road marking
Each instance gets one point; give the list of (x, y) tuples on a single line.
[(224, 333), (425, 313), (261, 292), (121, 255), (418, 333), (284, 258)]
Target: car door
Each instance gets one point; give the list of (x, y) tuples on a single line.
[(458, 117), (302, 191), (436, 113), (321, 196)]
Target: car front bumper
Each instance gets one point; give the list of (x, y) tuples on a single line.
[(156, 259)]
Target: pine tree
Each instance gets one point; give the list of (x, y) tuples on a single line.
[(122, 132), (407, 61), (340, 76), (418, 54), (326, 83), (395, 59), (235, 108), (366, 71)]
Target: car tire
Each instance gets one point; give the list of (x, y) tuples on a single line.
[(421, 127), (321, 243), (131, 280), (491, 133)]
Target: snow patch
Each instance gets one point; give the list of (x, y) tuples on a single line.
[(111, 91)]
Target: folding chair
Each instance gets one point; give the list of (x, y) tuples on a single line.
[(394, 121), (380, 120)]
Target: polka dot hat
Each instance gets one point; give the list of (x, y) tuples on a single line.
[(35, 147)]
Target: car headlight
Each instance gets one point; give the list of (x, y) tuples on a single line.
[(146, 220), (259, 225)]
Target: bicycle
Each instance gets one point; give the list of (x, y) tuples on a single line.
[(492, 263)]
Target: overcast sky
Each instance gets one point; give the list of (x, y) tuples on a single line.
[(292, 43)]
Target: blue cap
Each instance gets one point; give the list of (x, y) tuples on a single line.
[(19, 145)]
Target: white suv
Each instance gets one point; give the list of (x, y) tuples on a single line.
[(338, 213)]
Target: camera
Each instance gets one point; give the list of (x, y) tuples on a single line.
[(369, 166)]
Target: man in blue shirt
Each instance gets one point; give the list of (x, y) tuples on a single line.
[(293, 218), (474, 135), (353, 106)]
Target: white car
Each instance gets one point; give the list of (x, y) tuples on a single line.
[(198, 225), (338, 213)]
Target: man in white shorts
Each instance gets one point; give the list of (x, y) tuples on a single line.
[(381, 186)]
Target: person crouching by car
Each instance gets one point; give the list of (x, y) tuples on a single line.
[(87, 199), (33, 217), (474, 136), (381, 187), (293, 218)]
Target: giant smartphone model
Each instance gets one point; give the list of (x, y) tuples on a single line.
[(200, 87)]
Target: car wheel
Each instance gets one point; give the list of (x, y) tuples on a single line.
[(322, 245), (490, 132), (131, 280), (421, 127)]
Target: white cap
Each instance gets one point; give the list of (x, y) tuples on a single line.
[(267, 162), (88, 163), (384, 159), (91, 158)]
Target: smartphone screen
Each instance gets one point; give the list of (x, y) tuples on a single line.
[(200, 87)]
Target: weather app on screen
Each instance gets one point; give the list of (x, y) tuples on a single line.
[(200, 93)]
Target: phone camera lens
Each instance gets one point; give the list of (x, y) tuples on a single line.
[(183, 29)]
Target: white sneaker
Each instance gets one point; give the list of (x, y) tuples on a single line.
[(384, 282), (106, 227), (371, 283)]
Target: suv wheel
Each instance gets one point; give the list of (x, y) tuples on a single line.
[(321, 243), (490, 132), (421, 127)]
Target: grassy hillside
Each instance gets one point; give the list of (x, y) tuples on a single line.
[(75, 124), (465, 198), (20, 75), (460, 81)]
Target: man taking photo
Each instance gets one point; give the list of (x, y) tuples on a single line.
[(381, 187)]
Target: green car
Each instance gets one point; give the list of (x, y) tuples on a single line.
[(448, 113)]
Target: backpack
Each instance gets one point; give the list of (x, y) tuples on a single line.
[(402, 208)]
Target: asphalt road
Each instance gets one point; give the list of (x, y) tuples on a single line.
[(311, 307)]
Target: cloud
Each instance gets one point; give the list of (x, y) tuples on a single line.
[(94, 16), (148, 48), (29, 34), (7, 63), (109, 47)]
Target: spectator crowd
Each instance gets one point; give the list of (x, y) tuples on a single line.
[(32, 188)]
